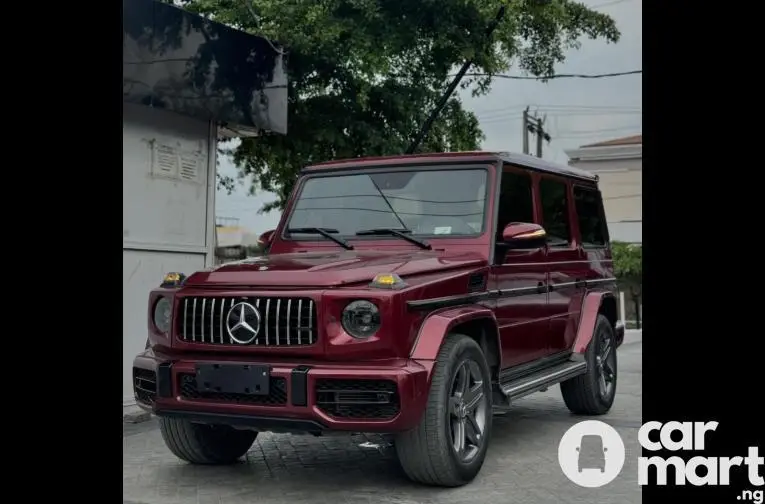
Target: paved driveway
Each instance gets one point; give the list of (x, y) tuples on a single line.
[(521, 467)]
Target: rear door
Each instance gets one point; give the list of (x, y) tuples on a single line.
[(565, 267)]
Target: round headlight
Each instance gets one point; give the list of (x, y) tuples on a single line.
[(162, 314), (361, 319)]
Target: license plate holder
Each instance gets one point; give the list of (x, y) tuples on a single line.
[(247, 379)]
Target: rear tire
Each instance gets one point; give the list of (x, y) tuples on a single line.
[(429, 453), (586, 394), (205, 444)]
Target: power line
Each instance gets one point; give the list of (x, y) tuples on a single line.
[(557, 76), (499, 117)]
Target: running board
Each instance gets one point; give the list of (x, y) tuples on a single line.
[(542, 379)]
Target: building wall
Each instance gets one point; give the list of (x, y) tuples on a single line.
[(168, 191)]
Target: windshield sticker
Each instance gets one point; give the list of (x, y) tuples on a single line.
[(443, 230)]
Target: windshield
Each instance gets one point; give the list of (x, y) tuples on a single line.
[(438, 203)]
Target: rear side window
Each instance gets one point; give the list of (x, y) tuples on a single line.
[(589, 210), (554, 199)]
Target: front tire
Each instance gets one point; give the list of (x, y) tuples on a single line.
[(449, 445), (593, 393), (205, 444)]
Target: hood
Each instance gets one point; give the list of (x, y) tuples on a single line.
[(322, 269)]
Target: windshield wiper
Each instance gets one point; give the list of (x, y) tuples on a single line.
[(387, 202), (325, 232), (400, 233)]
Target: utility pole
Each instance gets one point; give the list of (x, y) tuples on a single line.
[(534, 125), (540, 135)]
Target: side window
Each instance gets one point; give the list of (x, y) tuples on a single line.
[(515, 201), (589, 210), (555, 212)]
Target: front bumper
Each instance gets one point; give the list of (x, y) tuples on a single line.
[(304, 396)]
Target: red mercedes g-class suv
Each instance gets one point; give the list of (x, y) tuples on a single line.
[(411, 295)]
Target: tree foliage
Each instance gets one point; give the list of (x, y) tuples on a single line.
[(628, 265), (364, 74)]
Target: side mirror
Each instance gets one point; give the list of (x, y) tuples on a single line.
[(520, 235), (266, 238)]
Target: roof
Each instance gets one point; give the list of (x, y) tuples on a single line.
[(630, 140), (526, 161)]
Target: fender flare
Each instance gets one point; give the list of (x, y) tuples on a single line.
[(437, 325), (591, 308)]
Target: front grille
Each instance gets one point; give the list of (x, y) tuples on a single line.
[(358, 399), (283, 321), (277, 393), (145, 385)]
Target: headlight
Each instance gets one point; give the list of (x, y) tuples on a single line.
[(361, 319), (162, 314)]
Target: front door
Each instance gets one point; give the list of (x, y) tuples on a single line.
[(520, 276)]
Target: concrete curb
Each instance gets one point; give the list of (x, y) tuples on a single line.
[(136, 415)]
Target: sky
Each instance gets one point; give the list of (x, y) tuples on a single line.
[(578, 111)]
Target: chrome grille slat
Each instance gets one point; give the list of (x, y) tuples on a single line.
[(278, 306), (202, 322), (212, 320), (310, 319), (268, 305), (194, 320), (185, 314), (222, 318), (300, 324), (285, 322), (289, 304)]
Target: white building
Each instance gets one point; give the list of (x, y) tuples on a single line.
[(174, 111), (619, 166)]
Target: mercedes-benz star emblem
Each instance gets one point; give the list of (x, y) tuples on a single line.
[(243, 323)]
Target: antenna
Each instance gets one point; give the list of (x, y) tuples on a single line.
[(449, 90)]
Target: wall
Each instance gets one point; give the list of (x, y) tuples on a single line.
[(168, 191)]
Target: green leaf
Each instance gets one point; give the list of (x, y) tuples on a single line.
[(364, 74)]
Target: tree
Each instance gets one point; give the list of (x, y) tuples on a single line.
[(628, 268), (364, 74)]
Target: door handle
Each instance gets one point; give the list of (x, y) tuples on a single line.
[(580, 284), (542, 288)]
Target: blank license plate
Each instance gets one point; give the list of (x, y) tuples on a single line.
[(233, 378)]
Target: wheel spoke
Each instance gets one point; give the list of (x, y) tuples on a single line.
[(602, 381), (608, 370), (474, 432), (454, 406), (606, 350), (474, 396), (464, 377), (459, 435)]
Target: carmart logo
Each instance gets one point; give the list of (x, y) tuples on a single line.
[(692, 435)]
